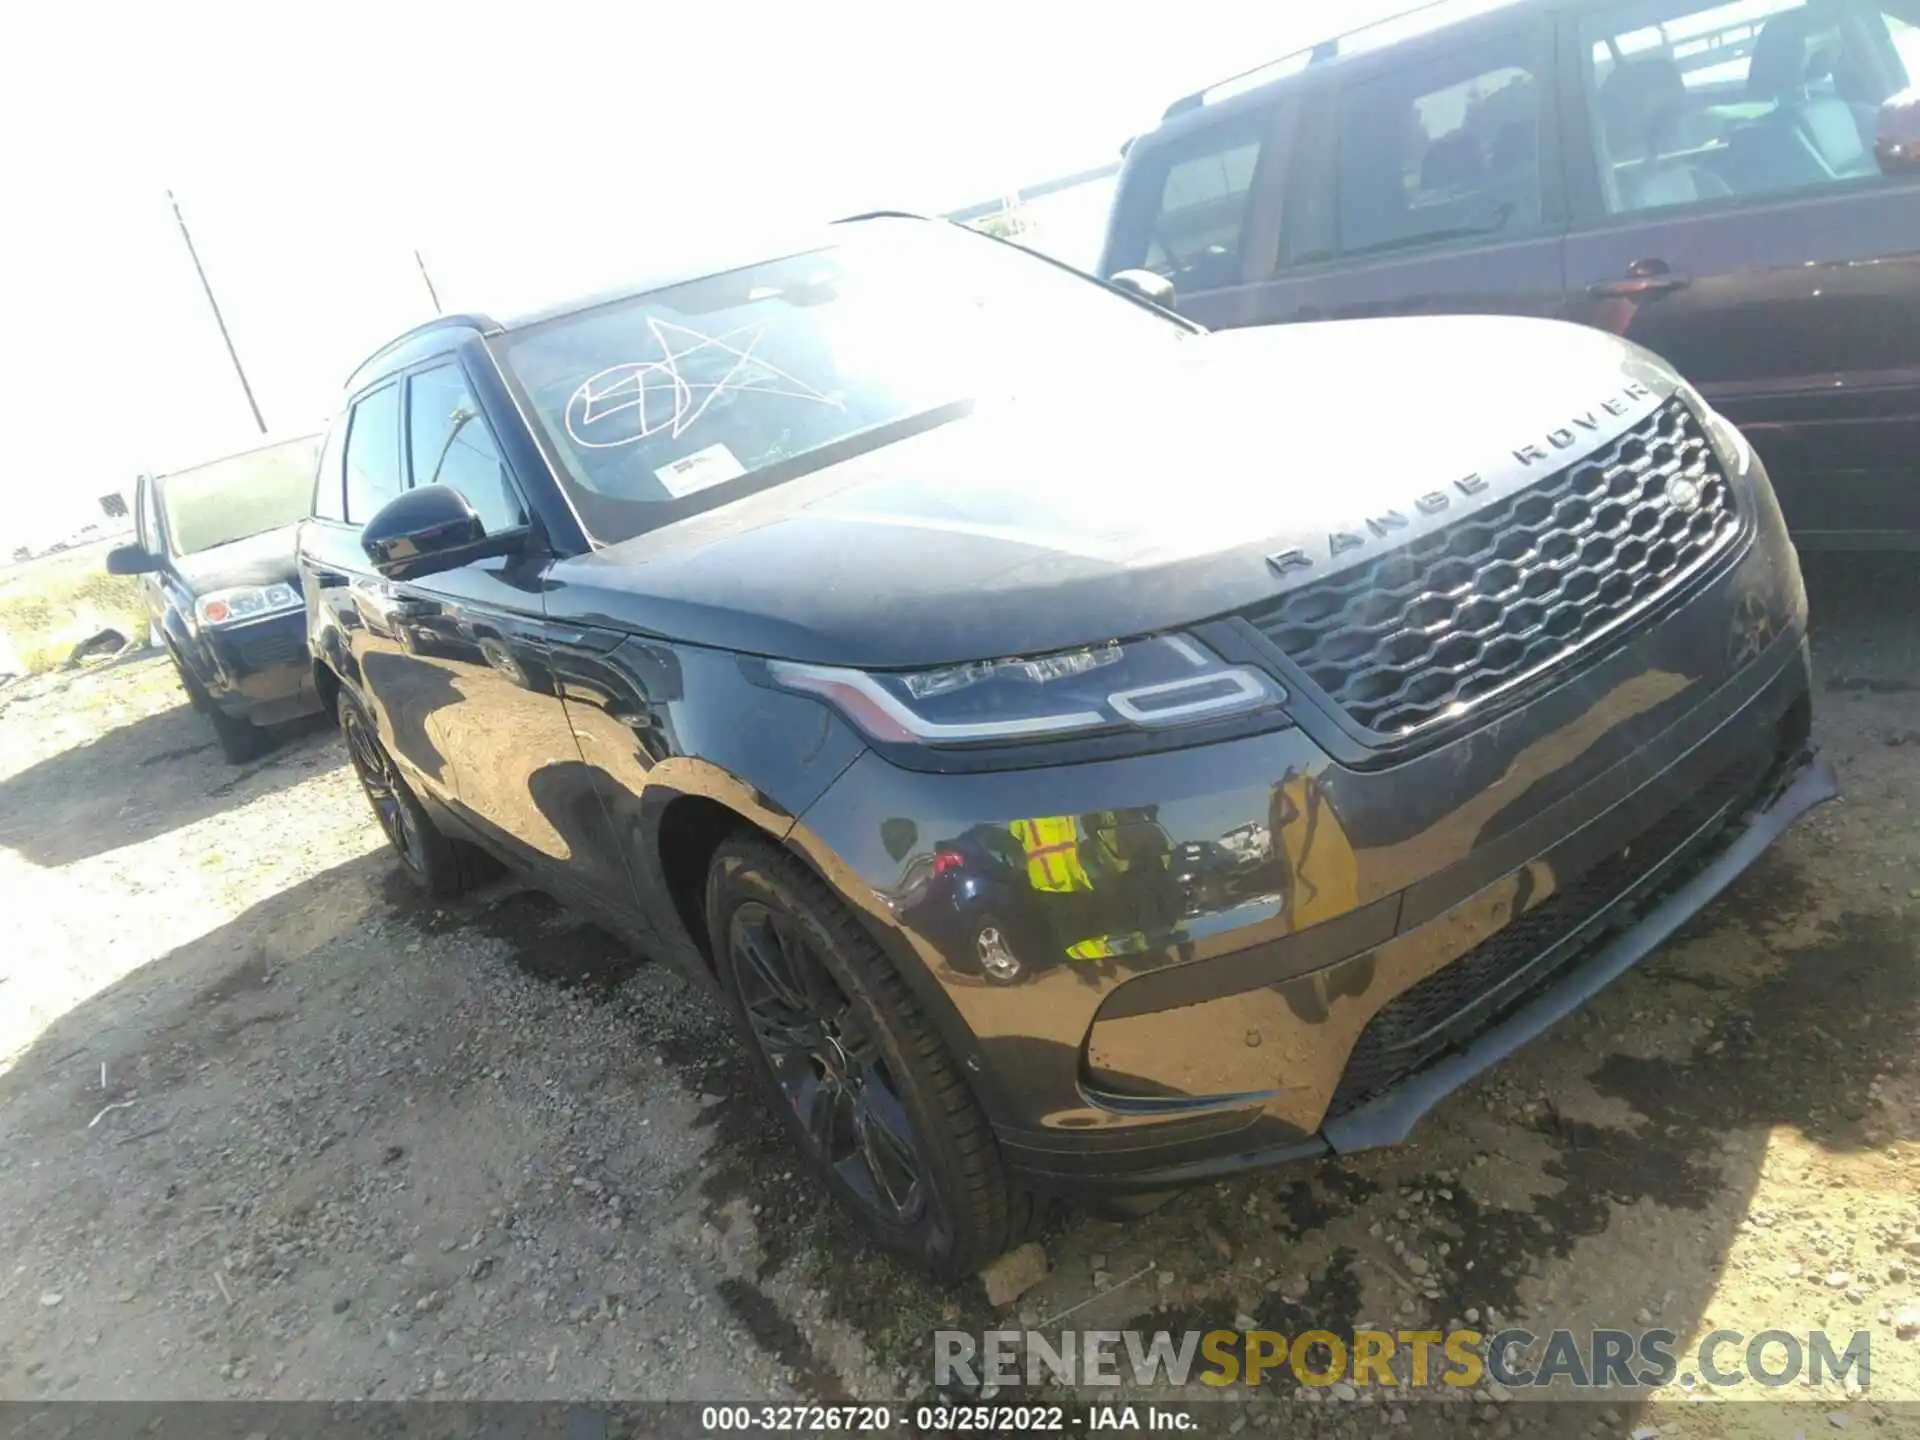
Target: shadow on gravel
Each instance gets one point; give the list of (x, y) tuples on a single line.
[(1863, 606), (176, 1015), (554, 945), (141, 780)]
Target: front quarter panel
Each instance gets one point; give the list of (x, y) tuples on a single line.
[(658, 722)]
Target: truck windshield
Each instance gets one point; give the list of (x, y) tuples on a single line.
[(681, 399), (227, 500)]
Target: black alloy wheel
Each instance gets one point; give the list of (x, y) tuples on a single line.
[(384, 789), (827, 1064), (441, 866), (861, 1079)]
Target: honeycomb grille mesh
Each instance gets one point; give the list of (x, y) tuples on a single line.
[(1417, 636)]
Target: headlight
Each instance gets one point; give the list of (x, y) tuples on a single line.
[(1144, 685), (244, 603), (1729, 445)]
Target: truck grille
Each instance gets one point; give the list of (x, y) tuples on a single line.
[(1418, 636), (274, 646)]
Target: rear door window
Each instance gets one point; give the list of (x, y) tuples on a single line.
[(1444, 147), (373, 453), (1690, 102)]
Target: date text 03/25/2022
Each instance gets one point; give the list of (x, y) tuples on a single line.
[(942, 1419)]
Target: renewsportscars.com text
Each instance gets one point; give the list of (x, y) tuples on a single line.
[(1604, 1359)]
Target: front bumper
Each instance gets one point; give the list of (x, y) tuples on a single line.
[(1198, 993), (261, 672)]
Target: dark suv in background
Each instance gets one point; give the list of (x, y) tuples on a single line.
[(214, 547), (1733, 183)]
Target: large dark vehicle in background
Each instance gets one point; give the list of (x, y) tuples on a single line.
[(1734, 184), (1092, 755), (214, 544)]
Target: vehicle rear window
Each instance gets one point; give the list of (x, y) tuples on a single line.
[(680, 399), (228, 500)]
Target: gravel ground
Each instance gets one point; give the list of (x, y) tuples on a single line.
[(276, 1128)]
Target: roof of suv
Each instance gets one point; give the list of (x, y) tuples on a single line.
[(404, 349), (1427, 19)]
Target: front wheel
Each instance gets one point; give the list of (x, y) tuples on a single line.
[(865, 1086), (440, 866), (240, 740)]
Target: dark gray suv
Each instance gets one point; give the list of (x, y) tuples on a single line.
[(1090, 754)]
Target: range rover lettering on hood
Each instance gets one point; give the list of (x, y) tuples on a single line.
[(1589, 426)]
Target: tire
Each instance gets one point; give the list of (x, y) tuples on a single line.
[(240, 740), (851, 1063), (196, 697), (440, 866)]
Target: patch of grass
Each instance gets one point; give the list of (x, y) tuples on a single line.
[(49, 605)]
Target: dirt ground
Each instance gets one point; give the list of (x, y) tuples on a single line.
[(276, 1128)]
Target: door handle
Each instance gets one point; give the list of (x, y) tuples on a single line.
[(1641, 283)]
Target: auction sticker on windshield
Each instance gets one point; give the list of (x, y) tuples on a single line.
[(700, 471)]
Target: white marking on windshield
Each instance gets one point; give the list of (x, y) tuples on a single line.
[(630, 385)]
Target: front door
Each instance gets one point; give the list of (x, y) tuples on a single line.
[(1732, 219), (482, 628)]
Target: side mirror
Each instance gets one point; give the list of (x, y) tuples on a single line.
[(1897, 146), (430, 529), (131, 560), (1156, 289)]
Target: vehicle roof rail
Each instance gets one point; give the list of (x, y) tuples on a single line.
[(1295, 61), (880, 215), (465, 321)]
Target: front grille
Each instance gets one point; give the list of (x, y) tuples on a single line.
[(1465, 997), (273, 646), (1418, 636)]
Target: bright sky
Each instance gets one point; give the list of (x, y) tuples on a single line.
[(526, 151)]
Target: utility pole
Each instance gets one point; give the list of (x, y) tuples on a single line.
[(429, 279), (218, 318)]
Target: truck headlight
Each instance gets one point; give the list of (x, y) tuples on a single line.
[(244, 603), (1151, 684)]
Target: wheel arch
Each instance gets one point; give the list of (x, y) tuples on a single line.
[(687, 826)]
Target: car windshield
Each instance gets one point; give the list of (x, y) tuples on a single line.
[(228, 500), (679, 400)]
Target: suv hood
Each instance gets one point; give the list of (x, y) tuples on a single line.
[(263, 559), (1130, 501)]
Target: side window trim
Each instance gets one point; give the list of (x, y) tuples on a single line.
[(1263, 225), (385, 382), (333, 457), (140, 504)]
